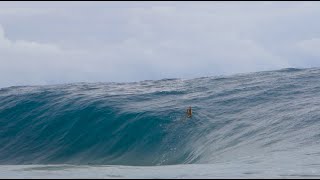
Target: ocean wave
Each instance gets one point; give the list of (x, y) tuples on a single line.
[(143, 123)]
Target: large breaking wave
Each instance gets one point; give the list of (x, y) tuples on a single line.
[(142, 123)]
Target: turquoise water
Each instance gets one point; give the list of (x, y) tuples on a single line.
[(266, 119)]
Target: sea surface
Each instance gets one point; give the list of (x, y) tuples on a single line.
[(253, 125)]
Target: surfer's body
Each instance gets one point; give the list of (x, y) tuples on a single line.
[(189, 112)]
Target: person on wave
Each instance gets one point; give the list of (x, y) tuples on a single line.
[(189, 112)]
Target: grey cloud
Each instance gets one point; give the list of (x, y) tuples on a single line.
[(132, 41)]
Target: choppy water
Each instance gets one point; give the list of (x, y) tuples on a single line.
[(264, 124)]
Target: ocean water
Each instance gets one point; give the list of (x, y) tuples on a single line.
[(255, 125)]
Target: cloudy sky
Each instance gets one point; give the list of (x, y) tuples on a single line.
[(63, 42)]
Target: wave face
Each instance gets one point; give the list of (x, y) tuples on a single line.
[(142, 123)]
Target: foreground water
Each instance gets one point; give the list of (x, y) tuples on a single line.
[(263, 124)]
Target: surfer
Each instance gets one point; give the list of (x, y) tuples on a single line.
[(189, 112)]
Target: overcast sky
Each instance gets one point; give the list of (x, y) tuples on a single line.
[(64, 42)]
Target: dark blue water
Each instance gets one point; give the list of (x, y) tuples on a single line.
[(142, 123)]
